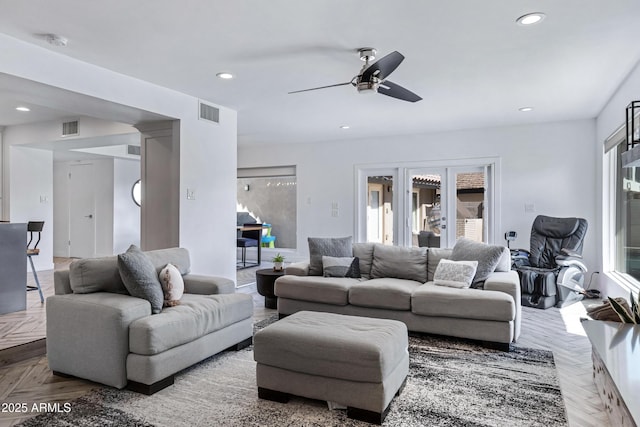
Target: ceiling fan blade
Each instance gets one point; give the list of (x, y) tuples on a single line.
[(321, 87), (396, 91), (383, 66)]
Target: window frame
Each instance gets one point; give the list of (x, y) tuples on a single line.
[(612, 192)]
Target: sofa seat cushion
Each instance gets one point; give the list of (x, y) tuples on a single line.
[(387, 293), (443, 301), (328, 290), (333, 345), (196, 316)]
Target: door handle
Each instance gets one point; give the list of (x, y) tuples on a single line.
[(89, 216)]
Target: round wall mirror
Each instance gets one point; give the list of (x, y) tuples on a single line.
[(136, 192)]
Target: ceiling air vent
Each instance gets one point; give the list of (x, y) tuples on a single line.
[(133, 150), (209, 112), (70, 128)]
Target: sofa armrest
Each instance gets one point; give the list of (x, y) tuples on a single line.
[(88, 334), (207, 285), (508, 282), (61, 282), (298, 268)]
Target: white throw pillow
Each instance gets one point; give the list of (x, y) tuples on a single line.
[(172, 285), (455, 274)]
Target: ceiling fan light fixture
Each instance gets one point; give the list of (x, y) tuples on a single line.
[(531, 18), (367, 87)]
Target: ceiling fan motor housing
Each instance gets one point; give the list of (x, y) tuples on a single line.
[(367, 86)]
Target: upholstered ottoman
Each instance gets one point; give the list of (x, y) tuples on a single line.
[(357, 362)]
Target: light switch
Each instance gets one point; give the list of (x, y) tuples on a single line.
[(191, 194)]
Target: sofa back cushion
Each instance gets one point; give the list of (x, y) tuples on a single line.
[(399, 262), (488, 256), (327, 246), (90, 275), (434, 255), (364, 252), (179, 257)]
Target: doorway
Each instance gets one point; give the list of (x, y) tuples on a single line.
[(82, 209)]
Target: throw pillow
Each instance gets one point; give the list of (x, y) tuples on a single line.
[(341, 267), (329, 246), (140, 278), (488, 256), (455, 274), (172, 285)]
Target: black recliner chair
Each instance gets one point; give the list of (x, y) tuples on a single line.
[(552, 272)]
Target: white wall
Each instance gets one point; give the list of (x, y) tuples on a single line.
[(103, 176), (208, 151), (549, 165), (32, 178), (60, 209), (126, 214), (609, 120)]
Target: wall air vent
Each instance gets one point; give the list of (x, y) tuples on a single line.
[(133, 150), (70, 128), (209, 112)]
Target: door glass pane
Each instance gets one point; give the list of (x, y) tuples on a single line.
[(427, 214), (380, 209), (470, 191)]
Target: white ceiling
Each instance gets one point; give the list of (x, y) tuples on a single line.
[(469, 60)]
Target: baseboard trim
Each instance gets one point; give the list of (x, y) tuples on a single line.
[(19, 353)]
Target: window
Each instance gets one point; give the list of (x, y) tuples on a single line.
[(269, 196), (624, 214)]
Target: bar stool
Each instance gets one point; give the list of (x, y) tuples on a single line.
[(34, 227)]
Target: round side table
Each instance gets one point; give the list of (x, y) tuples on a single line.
[(265, 279)]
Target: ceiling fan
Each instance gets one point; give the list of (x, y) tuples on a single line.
[(373, 78)]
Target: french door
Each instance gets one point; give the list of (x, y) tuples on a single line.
[(428, 203), (445, 204)]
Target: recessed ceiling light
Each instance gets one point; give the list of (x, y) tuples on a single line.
[(531, 18), (345, 127), (55, 40), (224, 75), (23, 109), (525, 109)]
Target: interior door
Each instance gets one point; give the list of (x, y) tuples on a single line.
[(82, 224)]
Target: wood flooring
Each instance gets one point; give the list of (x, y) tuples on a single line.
[(30, 381)]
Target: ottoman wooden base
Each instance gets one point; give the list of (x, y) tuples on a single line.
[(357, 362), (354, 413)]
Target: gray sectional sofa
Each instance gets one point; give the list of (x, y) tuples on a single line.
[(97, 331), (397, 283)]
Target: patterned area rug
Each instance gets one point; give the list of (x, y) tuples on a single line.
[(451, 383)]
